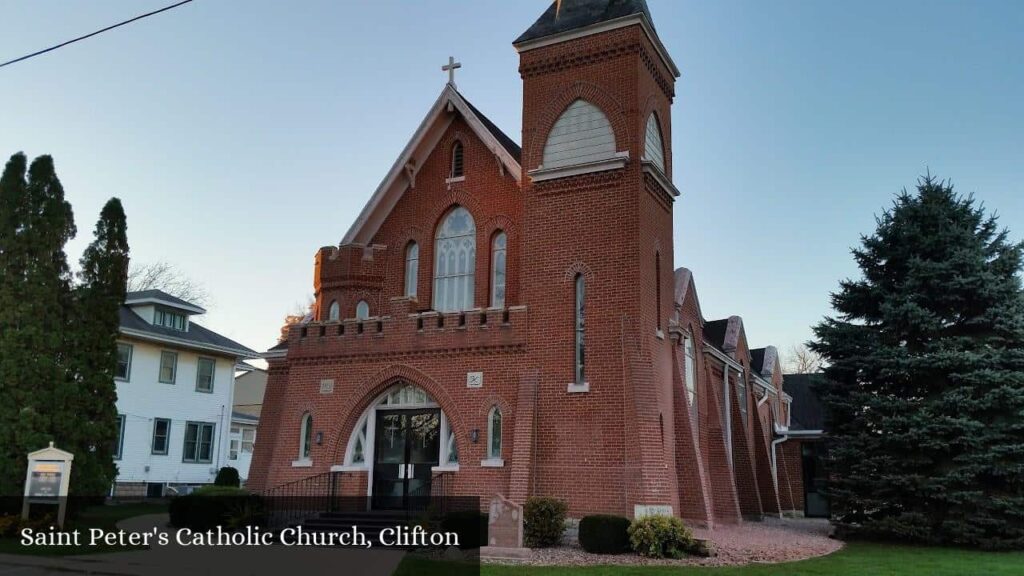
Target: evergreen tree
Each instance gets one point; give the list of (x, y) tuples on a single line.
[(92, 338), (35, 288), (925, 377)]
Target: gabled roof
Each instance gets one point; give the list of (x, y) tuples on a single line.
[(724, 334), (806, 410), (196, 338), (566, 15), (423, 141), (757, 360), (685, 286), (160, 297)]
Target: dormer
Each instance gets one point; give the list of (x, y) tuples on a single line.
[(160, 309)]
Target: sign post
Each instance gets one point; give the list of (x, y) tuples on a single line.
[(46, 480)]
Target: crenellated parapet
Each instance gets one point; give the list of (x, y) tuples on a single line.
[(406, 332)]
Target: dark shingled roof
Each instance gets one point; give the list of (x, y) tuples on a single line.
[(160, 295), (807, 411), (509, 144), (196, 335), (714, 332), (580, 14), (757, 359)]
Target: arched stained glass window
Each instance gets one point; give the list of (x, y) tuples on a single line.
[(455, 262), (581, 293), (334, 311), (499, 250), (362, 310), (306, 436), (494, 434)]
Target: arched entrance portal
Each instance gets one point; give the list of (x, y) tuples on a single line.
[(401, 439)]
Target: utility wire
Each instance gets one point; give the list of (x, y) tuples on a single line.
[(129, 21)]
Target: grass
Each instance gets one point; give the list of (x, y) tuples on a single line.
[(857, 559), (101, 516)]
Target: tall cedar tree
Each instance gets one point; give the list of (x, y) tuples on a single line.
[(35, 293), (92, 339), (925, 378)]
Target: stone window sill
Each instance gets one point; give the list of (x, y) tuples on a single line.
[(581, 388), (302, 463), (455, 179), (616, 161), (349, 468), (492, 463), (446, 468)]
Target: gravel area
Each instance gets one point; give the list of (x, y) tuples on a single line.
[(769, 541)]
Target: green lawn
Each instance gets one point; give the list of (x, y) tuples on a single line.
[(105, 517), (855, 560)]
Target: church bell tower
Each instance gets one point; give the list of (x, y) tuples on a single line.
[(597, 260)]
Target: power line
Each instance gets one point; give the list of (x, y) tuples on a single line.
[(129, 21)]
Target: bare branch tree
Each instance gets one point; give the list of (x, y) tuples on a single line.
[(803, 360), (296, 316), (165, 276)]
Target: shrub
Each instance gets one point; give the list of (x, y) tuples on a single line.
[(604, 534), (544, 521), (212, 506), (228, 476), (661, 537), (470, 525)]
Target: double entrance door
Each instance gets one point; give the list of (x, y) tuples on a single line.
[(407, 447)]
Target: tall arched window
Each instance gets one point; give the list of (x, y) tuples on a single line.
[(334, 312), (362, 310), (494, 434), (455, 262), (581, 294), (581, 134), (499, 248), (306, 436), (457, 163), (691, 377), (654, 149), (412, 267)]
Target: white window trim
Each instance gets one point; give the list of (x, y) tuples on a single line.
[(616, 161)]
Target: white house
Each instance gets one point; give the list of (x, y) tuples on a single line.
[(250, 384), (175, 387)]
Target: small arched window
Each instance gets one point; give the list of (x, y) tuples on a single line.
[(306, 436), (499, 249), (457, 162), (654, 148), (412, 267), (362, 310), (691, 377), (494, 434), (657, 289), (581, 294), (455, 262), (334, 311)]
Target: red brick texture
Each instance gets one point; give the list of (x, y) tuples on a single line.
[(627, 441)]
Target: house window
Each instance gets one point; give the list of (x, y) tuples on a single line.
[(457, 163), (412, 267), (362, 310), (499, 249), (233, 450), (204, 374), (168, 367), (306, 436), (198, 442), (334, 311), (248, 440), (494, 434), (580, 327), (124, 362), (161, 435), (691, 377), (168, 319), (455, 262), (119, 446)]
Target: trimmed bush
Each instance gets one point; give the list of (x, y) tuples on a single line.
[(212, 506), (661, 537), (543, 521), (228, 476), (604, 534), (470, 525)]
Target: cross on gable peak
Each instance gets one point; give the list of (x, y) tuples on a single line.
[(450, 68)]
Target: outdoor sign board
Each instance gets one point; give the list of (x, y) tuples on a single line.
[(46, 480)]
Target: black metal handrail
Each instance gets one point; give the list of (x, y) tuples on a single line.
[(295, 501), (441, 487)]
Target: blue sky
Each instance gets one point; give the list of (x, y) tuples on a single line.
[(243, 135)]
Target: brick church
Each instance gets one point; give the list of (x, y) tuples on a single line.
[(506, 319)]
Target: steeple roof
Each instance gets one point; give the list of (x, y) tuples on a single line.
[(565, 15)]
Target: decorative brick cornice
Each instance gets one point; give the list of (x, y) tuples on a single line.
[(581, 183)]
